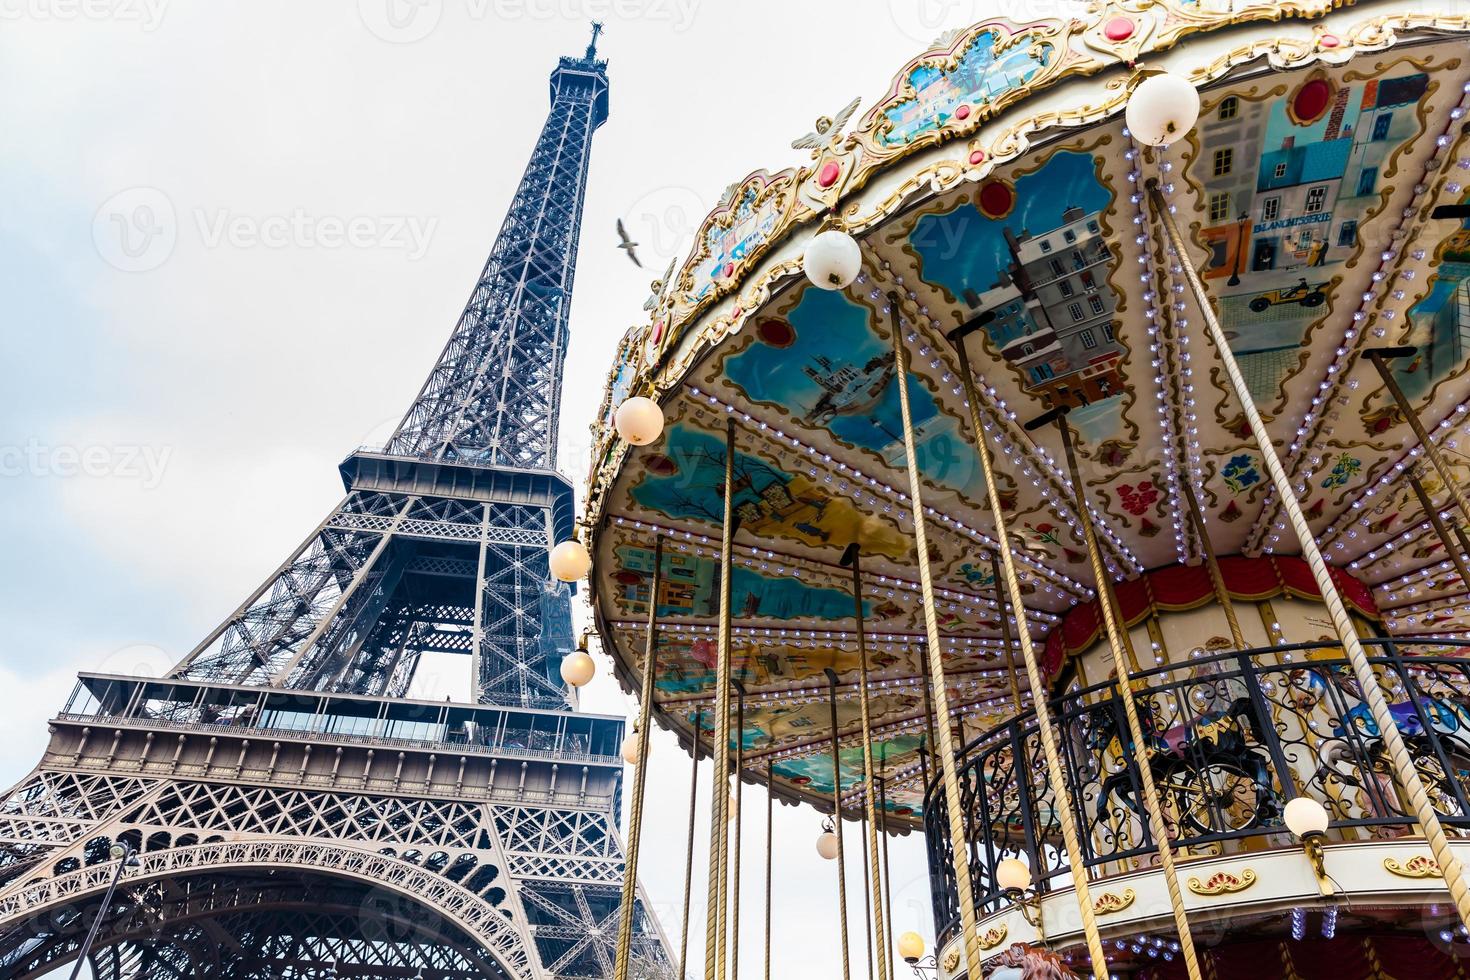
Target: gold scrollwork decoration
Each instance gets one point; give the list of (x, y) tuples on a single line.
[(952, 960), (994, 936), (1109, 902), (1418, 866), (1223, 883)]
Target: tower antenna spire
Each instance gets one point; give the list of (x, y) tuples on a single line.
[(592, 45)]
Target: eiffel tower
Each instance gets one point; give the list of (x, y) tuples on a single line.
[(292, 811)]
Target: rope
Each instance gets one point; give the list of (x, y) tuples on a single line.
[(640, 776), (873, 897), (770, 839), (837, 826), (714, 934), (1047, 734), (1122, 647), (689, 854), (1403, 764)]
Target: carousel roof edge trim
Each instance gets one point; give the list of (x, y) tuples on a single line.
[(662, 350)]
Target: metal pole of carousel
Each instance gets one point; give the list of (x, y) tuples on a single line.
[(853, 559), (714, 933), (640, 774), (1126, 662), (770, 842), (837, 822), (1379, 357), (1403, 765), (941, 694), (1005, 631), (1431, 514), (739, 813), (689, 849), (1212, 564)]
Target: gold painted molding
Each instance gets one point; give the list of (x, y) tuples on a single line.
[(1109, 902), (1418, 866), (994, 937), (1223, 883), (952, 960)]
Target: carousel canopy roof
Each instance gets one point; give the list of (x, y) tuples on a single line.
[(994, 183)]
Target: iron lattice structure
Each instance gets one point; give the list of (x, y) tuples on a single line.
[(295, 812)]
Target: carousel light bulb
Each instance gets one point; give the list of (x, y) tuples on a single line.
[(1012, 875), (1162, 109), (630, 748), (827, 845), (570, 561), (577, 669), (832, 259), (1305, 817), (911, 947), (639, 420)]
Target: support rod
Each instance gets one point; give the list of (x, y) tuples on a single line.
[(1125, 662), (1217, 578), (714, 935), (837, 822), (1409, 780), (1379, 360), (640, 774), (1005, 630), (1066, 814), (1431, 512), (853, 557), (689, 854)]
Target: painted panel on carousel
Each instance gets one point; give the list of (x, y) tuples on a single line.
[(814, 772), (685, 481), (821, 363), (690, 587), (737, 231), (991, 66), (1034, 251), (1291, 183), (687, 663), (1439, 325)]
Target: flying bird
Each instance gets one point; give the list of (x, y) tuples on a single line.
[(627, 244), (827, 128)]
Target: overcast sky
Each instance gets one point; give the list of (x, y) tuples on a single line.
[(193, 339)]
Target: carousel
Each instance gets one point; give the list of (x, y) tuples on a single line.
[(1062, 461)]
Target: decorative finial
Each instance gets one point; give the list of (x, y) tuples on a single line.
[(592, 47)]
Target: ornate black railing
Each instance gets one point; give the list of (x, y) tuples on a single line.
[(1232, 737)]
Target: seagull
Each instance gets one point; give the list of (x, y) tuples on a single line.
[(627, 244)]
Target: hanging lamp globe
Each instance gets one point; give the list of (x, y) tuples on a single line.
[(630, 748), (578, 667), (570, 561), (911, 947), (639, 420), (832, 259), (1162, 109), (827, 845)]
